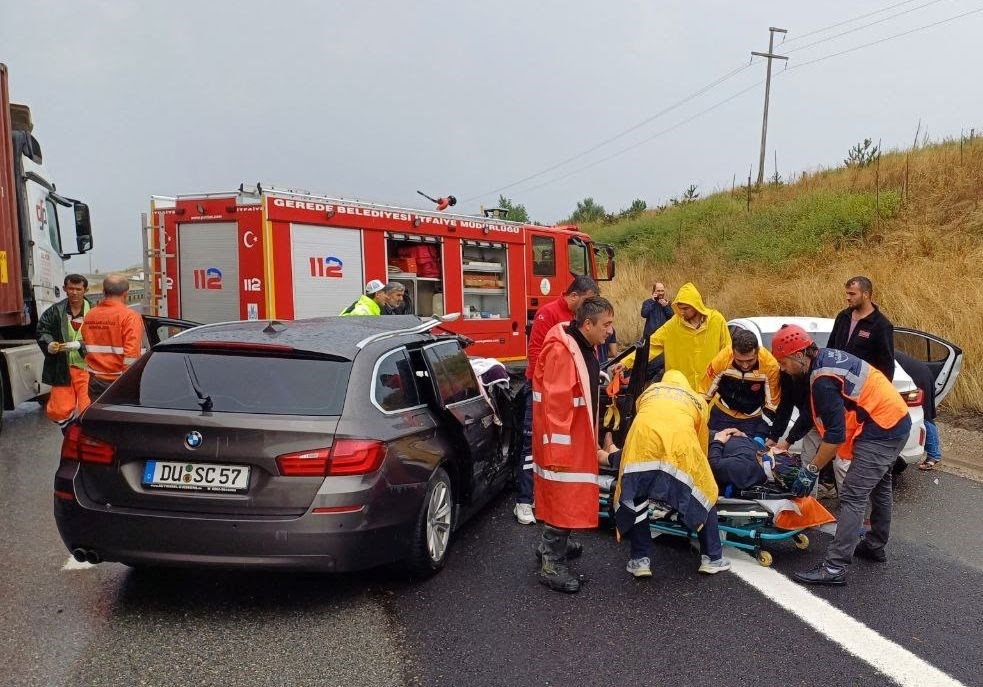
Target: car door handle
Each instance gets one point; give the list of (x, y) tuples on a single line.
[(468, 420)]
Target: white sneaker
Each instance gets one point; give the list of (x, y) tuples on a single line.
[(713, 567), (640, 567), (523, 513)]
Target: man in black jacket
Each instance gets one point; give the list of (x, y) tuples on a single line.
[(59, 336), (862, 330)]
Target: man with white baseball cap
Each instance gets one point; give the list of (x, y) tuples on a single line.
[(370, 303)]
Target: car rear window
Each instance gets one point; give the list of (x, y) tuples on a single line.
[(234, 383)]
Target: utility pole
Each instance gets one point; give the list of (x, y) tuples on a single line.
[(764, 120)]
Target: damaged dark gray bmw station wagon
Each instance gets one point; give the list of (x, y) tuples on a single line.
[(326, 444)]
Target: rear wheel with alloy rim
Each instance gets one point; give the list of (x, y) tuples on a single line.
[(433, 527)]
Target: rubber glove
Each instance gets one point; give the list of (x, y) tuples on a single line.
[(805, 481)]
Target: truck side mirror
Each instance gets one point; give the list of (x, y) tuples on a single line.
[(83, 227)]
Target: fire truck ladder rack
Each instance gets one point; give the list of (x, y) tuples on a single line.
[(424, 326), (154, 280), (244, 190)]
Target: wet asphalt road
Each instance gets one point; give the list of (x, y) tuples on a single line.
[(484, 620)]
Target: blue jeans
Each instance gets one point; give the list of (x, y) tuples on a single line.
[(640, 538), (523, 481), (933, 447)]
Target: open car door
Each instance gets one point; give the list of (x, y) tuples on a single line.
[(162, 328), (943, 358)]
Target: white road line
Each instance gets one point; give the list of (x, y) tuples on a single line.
[(72, 564), (888, 658)]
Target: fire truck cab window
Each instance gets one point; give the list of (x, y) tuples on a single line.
[(416, 262), (543, 256), (578, 257), (485, 278)]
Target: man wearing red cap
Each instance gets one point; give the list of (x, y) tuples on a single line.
[(861, 418)]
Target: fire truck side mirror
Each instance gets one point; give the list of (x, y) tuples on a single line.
[(604, 254), (83, 227)]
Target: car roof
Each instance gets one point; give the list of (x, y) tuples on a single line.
[(769, 324), (335, 336)]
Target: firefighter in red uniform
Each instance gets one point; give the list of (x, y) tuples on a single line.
[(861, 418), (112, 334), (564, 398)]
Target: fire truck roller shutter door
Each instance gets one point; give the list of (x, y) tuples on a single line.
[(209, 271), (327, 269)]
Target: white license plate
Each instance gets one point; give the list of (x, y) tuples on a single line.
[(232, 479)]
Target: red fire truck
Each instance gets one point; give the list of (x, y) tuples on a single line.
[(264, 253)]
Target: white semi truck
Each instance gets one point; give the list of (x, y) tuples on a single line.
[(32, 255)]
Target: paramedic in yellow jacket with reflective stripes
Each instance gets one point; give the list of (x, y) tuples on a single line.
[(664, 460), (742, 386), (112, 333), (690, 339)]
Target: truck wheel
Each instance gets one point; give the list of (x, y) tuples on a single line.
[(432, 534)]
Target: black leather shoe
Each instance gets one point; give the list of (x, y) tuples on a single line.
[(558, 577), (864, 550), (574, 550), (821, 575)]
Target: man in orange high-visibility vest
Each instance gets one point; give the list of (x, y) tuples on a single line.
[(112, 334)]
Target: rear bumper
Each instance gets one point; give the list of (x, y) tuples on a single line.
[(334, 542)]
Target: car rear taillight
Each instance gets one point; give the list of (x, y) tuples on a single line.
[(78, 446), (914, 397), (312, 463), (345, 457)]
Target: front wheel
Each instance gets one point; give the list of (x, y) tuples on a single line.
[(432, 533)]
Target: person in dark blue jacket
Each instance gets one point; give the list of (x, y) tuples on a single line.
[(656, 310)]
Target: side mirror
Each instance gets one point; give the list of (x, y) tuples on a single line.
[(83, 227), (604, 252)]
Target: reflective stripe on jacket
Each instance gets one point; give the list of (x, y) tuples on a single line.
[(741, 394), (113, 335), (564, 445), (864, 388)]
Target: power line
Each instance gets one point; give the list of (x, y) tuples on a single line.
[(846, 21), (863, 26), (884, 40), (622, 134), (742, 92), (644, 140)]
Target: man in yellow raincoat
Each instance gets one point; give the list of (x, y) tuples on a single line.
[(691, 338), (664, 460)]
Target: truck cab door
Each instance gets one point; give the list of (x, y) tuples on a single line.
[(466, 409), (943, 358)]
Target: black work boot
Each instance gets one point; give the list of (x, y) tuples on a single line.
[(574, 550), (557, 576), (864, 550)]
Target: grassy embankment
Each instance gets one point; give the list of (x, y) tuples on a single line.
[(913, 224)]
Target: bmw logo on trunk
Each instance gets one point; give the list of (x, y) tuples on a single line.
[(193, 440)]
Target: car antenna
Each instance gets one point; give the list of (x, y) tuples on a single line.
[(274, 327)]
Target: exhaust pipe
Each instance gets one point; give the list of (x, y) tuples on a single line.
[(86, 556)]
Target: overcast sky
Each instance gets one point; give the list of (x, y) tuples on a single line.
[(374, 100)]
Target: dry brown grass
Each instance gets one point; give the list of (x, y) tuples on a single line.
[(924, 262)]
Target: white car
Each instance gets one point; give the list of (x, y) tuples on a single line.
[(944, 359)]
